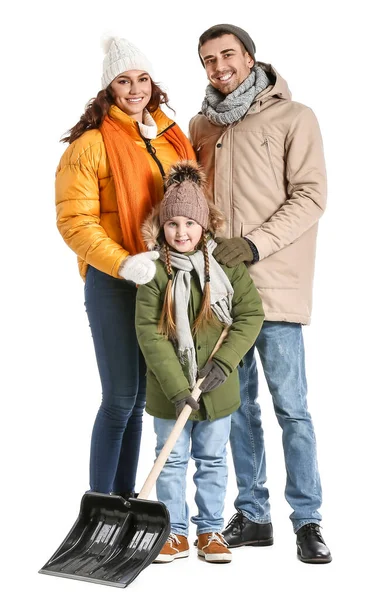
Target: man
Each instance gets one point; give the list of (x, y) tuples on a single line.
[(265, 167)]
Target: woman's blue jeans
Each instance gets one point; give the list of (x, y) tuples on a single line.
[(116, 438)]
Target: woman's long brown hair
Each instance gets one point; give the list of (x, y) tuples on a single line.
[(98, 107)]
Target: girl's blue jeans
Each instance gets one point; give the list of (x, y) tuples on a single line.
[(205, 442), (116, 437)]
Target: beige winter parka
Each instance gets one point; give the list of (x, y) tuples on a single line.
[(267, 174)]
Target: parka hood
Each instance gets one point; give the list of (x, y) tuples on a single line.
[(278, 87), (153, 236), (185, 191)]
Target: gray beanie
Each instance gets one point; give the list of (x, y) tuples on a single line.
[(219, 30)]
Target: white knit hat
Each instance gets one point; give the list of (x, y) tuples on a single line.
[(120, 56)]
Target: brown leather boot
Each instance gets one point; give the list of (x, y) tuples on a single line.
[(213, 548), (176, 546)]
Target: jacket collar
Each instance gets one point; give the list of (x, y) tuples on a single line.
[(277, 90), (162, 121)]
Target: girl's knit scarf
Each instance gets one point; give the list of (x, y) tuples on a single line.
[(221, 300), (133, 178), (224, 110)]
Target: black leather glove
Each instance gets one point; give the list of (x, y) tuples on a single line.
[(180, 404), (214, 376), (232, 252)]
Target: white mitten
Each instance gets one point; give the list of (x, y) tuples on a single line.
[(139, 268)]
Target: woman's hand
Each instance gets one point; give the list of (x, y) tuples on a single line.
[(139, 268)]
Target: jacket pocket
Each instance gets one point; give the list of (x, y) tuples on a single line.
[(267, 145)]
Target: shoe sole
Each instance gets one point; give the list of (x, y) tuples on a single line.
[(166, 558), (215, 558), (314, 561), (268, 542)]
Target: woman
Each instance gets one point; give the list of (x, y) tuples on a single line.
[(108, 180)]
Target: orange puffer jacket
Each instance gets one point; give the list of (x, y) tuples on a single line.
[(86, 202)]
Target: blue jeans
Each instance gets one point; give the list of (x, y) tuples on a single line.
[(208, 449), (116, 438), (281, 350)]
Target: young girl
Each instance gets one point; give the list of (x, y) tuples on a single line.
[(180, 315)]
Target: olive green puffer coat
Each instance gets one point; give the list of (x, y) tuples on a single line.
[(166, 380)]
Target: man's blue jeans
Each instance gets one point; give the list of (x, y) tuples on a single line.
[(116, 438), (281, 351), (208, 449)]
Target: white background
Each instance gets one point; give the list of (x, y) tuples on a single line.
[(51, 66)]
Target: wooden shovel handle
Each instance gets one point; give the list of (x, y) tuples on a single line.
[(176, 431)]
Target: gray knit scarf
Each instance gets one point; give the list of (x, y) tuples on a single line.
[(224, 110), (221, 300)]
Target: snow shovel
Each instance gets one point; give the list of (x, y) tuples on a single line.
[(114, 539)]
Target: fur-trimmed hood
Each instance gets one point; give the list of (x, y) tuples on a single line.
[(153, 237)]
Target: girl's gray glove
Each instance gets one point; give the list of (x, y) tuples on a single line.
[(180, 404), (214, 376), (139, 268)]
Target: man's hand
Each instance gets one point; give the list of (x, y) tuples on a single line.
[(180, 404), (214, 376), (232, 252), (139, 268)]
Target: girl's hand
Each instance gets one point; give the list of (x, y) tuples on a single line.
[(139, 268), (180, 404), (213, 376)]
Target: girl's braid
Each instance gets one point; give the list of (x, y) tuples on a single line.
[(167, 321), (206, 315)]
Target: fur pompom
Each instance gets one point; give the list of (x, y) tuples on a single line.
[(185, 170), (106, 42)]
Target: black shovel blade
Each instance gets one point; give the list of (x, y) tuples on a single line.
[(112, 541)]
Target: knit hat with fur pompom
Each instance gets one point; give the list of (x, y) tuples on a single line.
[(121, 56), (184, 195)]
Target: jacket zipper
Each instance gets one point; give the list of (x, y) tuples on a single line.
[(267, 145), (151, 150), (229, 135)]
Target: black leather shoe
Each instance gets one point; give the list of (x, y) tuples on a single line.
[(311, 547), (240, 531)]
